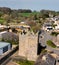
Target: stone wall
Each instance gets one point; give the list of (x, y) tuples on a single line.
[(28, 46)]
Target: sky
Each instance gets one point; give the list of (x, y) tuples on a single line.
[(31, 4)]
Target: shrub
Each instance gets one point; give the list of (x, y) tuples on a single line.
[(43, 51), (54, 33), (50, 43)]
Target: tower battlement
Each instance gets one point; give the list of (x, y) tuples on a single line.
[(28, 46)]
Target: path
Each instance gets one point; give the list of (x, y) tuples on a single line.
[(9, 60)]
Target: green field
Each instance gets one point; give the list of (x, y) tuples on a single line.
[(28, 14)]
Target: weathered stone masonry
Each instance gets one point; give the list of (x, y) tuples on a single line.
[(28, 46)]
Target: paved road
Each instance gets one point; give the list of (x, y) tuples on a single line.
[(9, 61), (44, 36)]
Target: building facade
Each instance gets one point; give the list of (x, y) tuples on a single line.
[(4, 47)]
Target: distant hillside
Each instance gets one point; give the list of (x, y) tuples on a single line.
[(8, 15)]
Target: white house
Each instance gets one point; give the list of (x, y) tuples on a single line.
[(57, 27), (56, 22), (2, 26)]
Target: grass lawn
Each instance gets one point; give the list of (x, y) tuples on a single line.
[(51, 44), (25, 62)]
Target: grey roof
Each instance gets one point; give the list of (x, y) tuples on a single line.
[(10, 36), (50, 60), (3, 44)]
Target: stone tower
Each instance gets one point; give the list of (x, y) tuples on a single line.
[(28, 46)]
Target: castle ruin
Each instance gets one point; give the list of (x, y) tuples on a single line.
[(28, 45)]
